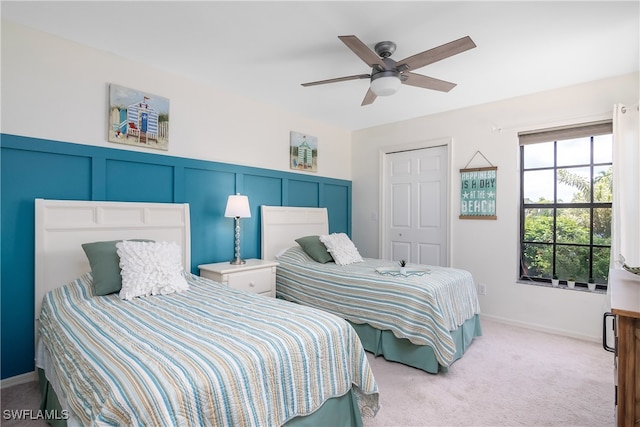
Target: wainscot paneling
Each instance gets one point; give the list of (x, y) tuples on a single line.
[(37, 168)]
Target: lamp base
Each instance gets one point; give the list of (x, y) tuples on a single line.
[(237, 260)]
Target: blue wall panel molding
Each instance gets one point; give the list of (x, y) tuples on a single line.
[(37, 168)]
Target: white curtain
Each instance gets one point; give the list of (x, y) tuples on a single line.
[(625, 227), (625, 221)]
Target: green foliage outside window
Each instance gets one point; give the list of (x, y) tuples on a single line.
[(576, 223)]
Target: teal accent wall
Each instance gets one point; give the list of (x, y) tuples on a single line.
[(36, 168)]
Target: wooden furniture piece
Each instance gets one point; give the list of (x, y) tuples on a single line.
[(625, 305), (256, 275)]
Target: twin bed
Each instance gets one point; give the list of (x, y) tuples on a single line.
[(206, 355), (426, 320)]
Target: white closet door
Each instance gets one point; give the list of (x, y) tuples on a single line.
[(416, 184)]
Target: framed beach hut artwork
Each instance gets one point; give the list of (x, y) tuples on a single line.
[(138, 118), (303, 153)]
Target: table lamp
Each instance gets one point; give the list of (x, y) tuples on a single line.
[(237, 207)]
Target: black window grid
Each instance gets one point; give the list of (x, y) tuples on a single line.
[(554, 206)]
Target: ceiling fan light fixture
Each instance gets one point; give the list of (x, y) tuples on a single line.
[(385, 83)]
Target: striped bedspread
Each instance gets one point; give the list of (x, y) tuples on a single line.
[(423, 309), (207, 356)]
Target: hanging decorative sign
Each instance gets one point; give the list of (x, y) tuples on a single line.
[(478, 192)]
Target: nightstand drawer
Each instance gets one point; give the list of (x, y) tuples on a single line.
[(257, 281), (255, 275)]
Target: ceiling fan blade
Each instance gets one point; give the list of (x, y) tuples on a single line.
[(338, 79), (425, 82), (363, 51), (436, 54), (369, 98)]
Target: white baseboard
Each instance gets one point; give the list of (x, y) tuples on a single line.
[(19, 379), (542, 328)]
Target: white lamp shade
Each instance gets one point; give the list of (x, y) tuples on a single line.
[(385, 86), (237, 207)]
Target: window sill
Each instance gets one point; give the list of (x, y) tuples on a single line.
[(562, 287)]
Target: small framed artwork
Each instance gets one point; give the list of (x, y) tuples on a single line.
[(138, 118), (303, 152)]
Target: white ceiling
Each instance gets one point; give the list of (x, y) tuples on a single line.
[(265, 50)]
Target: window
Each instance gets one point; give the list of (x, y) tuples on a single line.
[(565, 204)]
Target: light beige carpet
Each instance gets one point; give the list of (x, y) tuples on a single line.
[(509, 377)]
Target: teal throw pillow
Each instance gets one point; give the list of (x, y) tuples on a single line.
[(105, 265), (315, 248)]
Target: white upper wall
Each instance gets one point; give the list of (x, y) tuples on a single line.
[(489, 249), (56, 89)]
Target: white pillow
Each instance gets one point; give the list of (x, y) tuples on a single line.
[(341, 248), (150, 268)]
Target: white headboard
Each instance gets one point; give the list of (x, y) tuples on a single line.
[(62, 226), (282, 225)]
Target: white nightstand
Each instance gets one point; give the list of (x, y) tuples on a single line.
[(256, 275)]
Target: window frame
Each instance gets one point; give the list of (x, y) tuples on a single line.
[(557, 135)]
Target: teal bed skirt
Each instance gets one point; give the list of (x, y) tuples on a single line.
[(339, 411), (384, 343)]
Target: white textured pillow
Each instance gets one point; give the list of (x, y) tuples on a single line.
[(150, 268), (341, 248)]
